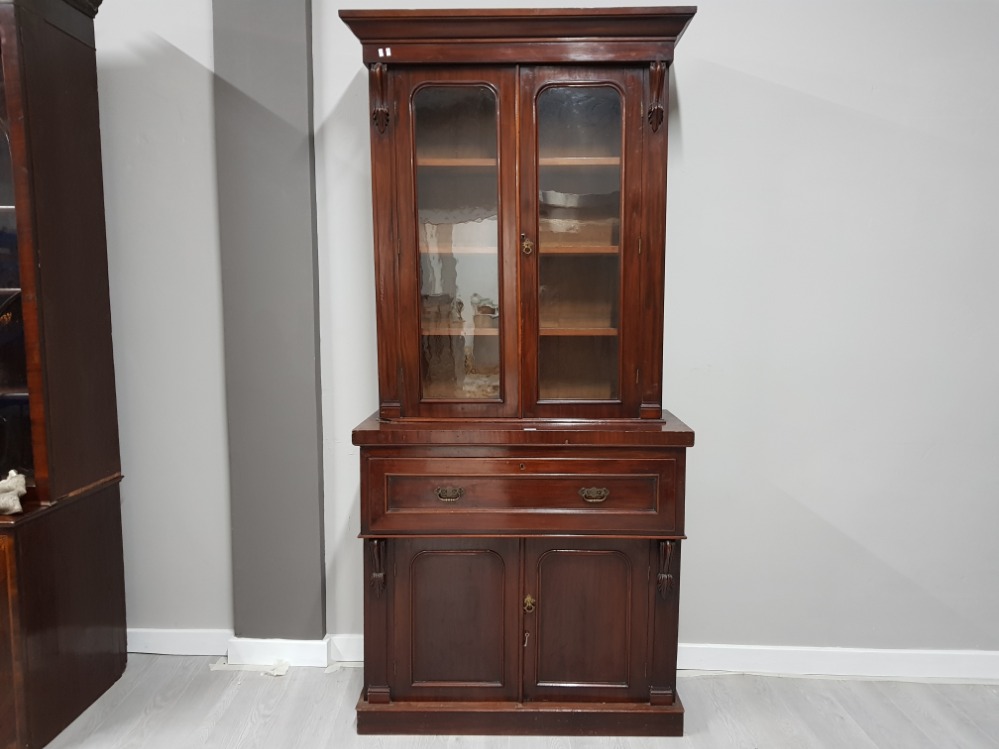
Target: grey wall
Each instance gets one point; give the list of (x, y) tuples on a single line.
[(268, 261)]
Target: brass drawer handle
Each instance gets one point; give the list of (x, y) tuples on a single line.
[(450, 493), (529, 604), (594, 494)]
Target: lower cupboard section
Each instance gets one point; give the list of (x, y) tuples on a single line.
[(503, 635)]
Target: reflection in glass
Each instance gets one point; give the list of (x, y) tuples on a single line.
[(579, 236), (15, 422), (457, 204)]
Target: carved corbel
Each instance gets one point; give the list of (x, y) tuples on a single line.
[(657, 82), (664, 580), (377, 581), (380, 110)]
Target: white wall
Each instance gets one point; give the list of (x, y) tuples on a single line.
[(831, 318), (155, 78)]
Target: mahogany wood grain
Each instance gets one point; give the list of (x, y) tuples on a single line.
[(589, 630), (515, 545), (376, 619), (533, 492), (384, 207), (535, 35), (62, 606), (70, 610), (408, 321), (14, 104), (668, 432), (10, 715), (665, 623), (628, 83), (520, 719), (458, 608), (71, 254)]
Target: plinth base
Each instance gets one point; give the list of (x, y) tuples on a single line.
[(519, 719)]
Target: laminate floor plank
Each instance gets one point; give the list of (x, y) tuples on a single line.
[(881, 720), (934, 716), (142, 697), (816, 703), (979, 705), (712, 716), (171, 702)]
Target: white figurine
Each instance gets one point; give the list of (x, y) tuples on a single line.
[(12, 489)]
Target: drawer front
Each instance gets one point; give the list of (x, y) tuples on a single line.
[(520, 495)]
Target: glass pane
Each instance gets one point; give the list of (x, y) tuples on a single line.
[(579, 230), (15, 423), (457, 178)]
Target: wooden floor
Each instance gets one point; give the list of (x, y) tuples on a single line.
[(173, 702)]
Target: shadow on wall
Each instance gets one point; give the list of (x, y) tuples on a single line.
[(162, 226), (347, 315)]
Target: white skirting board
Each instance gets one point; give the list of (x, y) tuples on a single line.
[(349, 648), (958, 665), (179, 641), (240, 650), (248, 651)]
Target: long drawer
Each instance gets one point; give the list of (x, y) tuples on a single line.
[(521, 495)]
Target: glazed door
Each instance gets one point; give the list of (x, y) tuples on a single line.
[(15, 419), (586, 620), (581, 209), (455, 612), (456, 152)]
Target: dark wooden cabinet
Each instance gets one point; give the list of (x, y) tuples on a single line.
[(522, 488), (62, 602)]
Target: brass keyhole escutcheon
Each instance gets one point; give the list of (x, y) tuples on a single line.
[(529, 604), (526, 245)]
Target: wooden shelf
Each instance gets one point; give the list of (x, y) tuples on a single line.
[(578, 331), (581, 250), (456, 331), (481, 161), (452, 161), (580, 161), (461, 251)]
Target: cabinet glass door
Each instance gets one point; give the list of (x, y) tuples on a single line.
[(457, 201), (579, 241), (578, 187), (464, 308), (15, 421)]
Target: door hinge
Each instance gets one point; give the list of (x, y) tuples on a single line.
[(637, 372), (639, 245)]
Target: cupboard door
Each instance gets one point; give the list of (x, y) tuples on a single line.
[(586, 621), (456, 153), (581, 208), (456, 612), (8, 714)]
